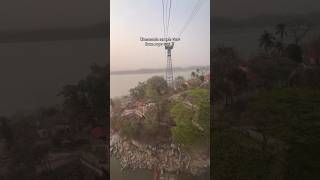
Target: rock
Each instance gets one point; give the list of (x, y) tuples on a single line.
[(171, 153), (114, 139), (168, 157)]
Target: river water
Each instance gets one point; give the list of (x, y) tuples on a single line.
[(33, 73), (119, 86), (117, 174)]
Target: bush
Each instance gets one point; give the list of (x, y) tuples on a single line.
[(186, 132), (139, 91), (130, 128)]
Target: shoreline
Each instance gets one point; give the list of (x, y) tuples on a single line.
[(167, 158), (154, 71)]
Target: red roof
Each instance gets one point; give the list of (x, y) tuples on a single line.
[(140, 103), (314, 56), (207, 77), (313, 52)]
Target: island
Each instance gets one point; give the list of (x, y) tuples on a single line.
[(163, 129)]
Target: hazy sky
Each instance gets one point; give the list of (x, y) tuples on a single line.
[(31, 14), (247, 8), (33, 73), (129, 20)]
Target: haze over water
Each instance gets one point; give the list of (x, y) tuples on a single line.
[(122, 83)]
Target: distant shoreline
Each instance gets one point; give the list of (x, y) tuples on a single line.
[(150, 71)]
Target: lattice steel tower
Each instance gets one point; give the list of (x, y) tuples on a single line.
[(169, 70)]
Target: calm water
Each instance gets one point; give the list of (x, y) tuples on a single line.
[(121, 84), (117, 174), (33, 73)]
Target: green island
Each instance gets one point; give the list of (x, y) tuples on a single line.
[(164, 129)]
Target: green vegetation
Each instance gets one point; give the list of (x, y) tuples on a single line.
[(278, 43), (139, 91), (266, 109), (236, 157), (6, 132), (289, 116), (62, 128), (181, 115), (156, 87), (153, 88), (199, 74), (293, 117), (146, 127), (130, 128), (85, 101), (184, 132), (193, 119)]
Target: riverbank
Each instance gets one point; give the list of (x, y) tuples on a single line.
[(169, 158)]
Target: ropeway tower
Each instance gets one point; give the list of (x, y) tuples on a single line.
[(169, 70)]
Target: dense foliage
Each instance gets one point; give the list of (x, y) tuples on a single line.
[(192, 119), (84, 105), (87, 100), (294, 116), (266, 120)]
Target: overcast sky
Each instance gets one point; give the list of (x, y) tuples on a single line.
[(132, 19), (33, 73), (247, 8)]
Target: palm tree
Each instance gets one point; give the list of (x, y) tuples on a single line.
[(279, 47), (266, 41), (193, 74), (281, 31)]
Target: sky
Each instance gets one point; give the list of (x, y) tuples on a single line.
[(33, 14), (248, 8), (33, 73), (130, 20)]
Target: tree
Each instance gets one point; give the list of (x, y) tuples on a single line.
[(281, 31), (86, 101), (239, 82), (179, 83), (279, 48), (228, 76), (267, 41), (25, 154), (193, 74), (156, 86), (192, 121), (131, 128), (269, 72), (291, 115), (299, 31), (312, 50), (306, 77), (198, 74), (139, 91), (7, 133), (294, 52)]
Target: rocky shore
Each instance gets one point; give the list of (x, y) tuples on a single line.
[(168, 158)]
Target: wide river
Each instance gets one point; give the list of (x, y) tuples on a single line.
[(119, 86)]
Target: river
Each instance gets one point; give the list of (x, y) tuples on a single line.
[(33, 73), (121, 84)]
